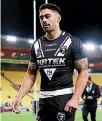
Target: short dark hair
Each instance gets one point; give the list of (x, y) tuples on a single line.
[(89, 78), (49, 6)]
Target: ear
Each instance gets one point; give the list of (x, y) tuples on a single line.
[(59, 18)]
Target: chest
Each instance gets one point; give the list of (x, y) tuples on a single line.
[(53, 53), (90, 90)]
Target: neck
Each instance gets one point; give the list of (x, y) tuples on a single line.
[(53, 35)]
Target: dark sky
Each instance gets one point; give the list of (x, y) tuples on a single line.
[(79, 18)]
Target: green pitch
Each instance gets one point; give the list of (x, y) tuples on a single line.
[(31, 117)]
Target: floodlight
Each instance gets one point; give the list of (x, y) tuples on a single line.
[(30, 41), (101, 47), (89, 46), (11, 38)]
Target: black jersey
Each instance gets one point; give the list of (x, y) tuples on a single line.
[(56, 60)]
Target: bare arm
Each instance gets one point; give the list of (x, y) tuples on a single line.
[(28, 80), (82, 68)]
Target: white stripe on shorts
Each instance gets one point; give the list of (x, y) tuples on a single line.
[(46, 94)]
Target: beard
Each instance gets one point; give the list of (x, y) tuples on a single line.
[(48, 29)]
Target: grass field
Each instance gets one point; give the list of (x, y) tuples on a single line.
[(30, 117)]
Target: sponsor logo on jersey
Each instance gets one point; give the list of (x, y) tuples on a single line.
[(49, 72), (48, 50), (49, 45), (51, 62), (63, 49)]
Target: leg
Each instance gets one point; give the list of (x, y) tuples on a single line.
[(46, 116), (47, 112), (61, 114), (93, 113), (85, 112)]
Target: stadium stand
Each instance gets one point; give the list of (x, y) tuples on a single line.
[(9, 93)]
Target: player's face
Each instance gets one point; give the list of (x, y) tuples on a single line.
[(49, 20), (89, 82)]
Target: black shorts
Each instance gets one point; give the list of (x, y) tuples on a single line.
[(52, 109)]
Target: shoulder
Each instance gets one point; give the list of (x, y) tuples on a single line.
[(73, 38), (38, 39), (35, 41), (95, 85)]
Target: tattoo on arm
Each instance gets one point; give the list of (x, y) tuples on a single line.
[(81, 64), (32, 67)]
